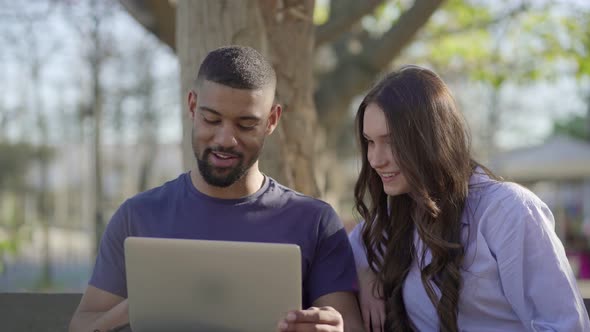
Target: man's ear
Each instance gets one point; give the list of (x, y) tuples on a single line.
[(273, 118), (192, 104)]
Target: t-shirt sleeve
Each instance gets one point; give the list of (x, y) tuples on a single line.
[(332, 269), (358, 248), (109, 269)]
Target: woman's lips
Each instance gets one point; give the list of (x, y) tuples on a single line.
[(387, 177)]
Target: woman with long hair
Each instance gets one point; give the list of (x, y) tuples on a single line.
[(445, 245)]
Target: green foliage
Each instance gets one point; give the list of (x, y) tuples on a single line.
[(384, 16), (519, 45), (462, 13), (574, 126), (457, 39), (381, 12), (466, 50), (321, 13), (578, 49), (10, 246), (7, 246)]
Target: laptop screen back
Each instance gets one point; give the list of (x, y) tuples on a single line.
[(200, 285)]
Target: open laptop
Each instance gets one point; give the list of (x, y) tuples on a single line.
[(182, 285)]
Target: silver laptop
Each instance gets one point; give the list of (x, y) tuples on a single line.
[(198, 285)]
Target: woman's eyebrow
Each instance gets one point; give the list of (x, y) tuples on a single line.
[(380, 136)]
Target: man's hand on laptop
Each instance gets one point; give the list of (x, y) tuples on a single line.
[(325, 319)]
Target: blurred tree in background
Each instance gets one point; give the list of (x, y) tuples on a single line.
[(15, 159), (91, 93), (577, 48), (72, 90)]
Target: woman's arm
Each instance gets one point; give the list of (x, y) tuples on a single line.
[(534, 271), (372, 306)]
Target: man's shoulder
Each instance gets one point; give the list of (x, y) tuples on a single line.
[(160, 194), (307, 209), (295, 198)]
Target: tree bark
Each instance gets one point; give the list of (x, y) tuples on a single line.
[(157, 16), (356, 72), (203, 26), (293, 61), (343, 15), (95, 61), (264, 25)]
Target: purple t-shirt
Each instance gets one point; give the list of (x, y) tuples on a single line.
[(273, 214)]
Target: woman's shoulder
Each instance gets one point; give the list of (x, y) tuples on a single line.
[(501, 208), (494, 203), (488, 191), (508, 196)]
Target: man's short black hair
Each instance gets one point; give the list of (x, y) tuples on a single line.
[(239, 67)]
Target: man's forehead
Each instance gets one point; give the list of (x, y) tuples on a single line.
[(209, 85), (225, 100)]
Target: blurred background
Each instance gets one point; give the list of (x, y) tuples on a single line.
[(92, 105)]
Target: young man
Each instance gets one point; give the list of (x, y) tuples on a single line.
[(226, 197)]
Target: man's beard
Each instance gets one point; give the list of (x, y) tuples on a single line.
[(234, 174), (231, 174)]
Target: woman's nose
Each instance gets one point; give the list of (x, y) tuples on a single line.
[(378, 157)]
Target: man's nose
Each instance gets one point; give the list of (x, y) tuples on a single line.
[(225, 136)]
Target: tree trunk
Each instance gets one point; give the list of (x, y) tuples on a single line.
[(285, 36), (290, 33), (96, 59), (43, 193)]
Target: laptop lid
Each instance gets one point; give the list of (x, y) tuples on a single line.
[(201, 285)]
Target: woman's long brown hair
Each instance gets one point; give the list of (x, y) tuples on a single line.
[(431, 143)]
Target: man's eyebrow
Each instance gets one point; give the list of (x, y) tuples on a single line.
[(242, 118), (249, 118), (210, 110)]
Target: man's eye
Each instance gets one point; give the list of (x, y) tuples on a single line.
[(211, 121), (247, 125)]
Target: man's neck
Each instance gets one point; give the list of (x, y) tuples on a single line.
[(249, 184)]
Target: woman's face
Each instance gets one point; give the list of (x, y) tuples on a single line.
[(380, 151)]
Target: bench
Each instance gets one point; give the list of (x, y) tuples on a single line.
[(39, 312)]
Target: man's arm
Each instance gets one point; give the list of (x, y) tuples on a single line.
[(99, 310), (334, 312)]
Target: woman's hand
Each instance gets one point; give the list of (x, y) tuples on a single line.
[(372, 306)]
